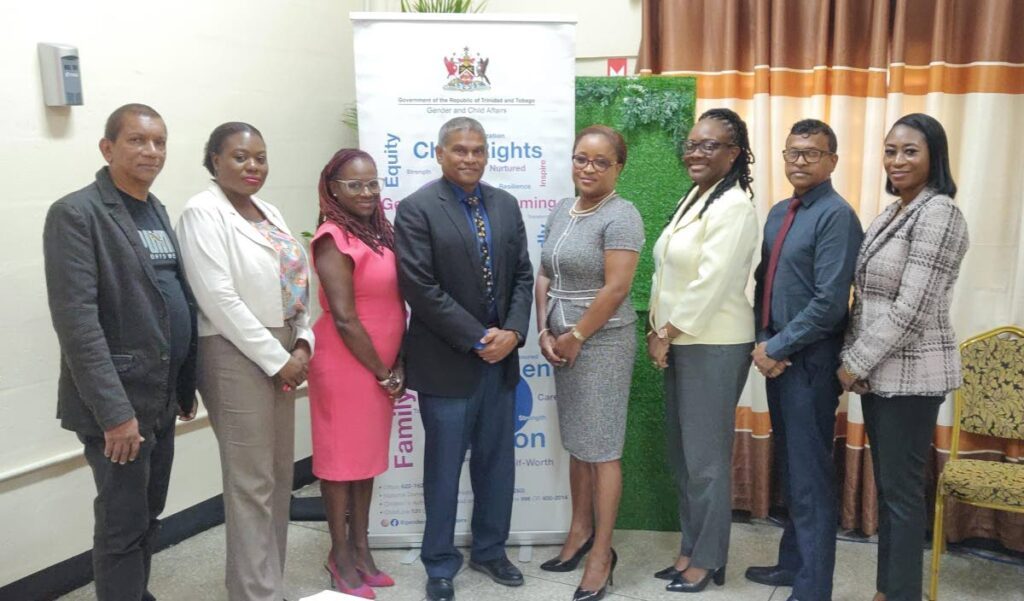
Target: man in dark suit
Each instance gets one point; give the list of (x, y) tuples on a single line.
[(125, 320), (801, 301), (465, 271)]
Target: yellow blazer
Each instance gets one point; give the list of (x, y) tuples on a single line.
[(701, 269)]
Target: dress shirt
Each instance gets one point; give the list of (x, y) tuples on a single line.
[(811, 291)]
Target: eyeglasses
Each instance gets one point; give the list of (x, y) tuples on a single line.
[(811, 155), (706, 147), (355, 187), (600, 164)]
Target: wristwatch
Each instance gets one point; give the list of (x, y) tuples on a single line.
[(576, 334)]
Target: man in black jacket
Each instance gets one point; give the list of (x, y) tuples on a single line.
[(464, 269), (125, 320)]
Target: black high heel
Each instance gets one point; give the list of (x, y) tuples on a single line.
[(669, 573), (682, 585), (557, 565), (585, 595)]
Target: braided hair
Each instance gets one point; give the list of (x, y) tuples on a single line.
[(375, 234), (739, 173)]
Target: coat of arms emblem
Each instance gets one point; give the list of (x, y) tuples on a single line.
[(467, 73)]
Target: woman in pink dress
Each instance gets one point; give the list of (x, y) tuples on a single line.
[(356, 374)]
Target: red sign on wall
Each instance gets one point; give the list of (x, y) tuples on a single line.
[(616, 67)]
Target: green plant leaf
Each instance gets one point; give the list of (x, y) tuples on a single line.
[(442, 6)]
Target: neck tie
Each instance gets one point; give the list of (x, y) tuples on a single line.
[(773, 263), (485, 252)]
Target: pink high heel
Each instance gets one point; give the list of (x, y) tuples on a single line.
[(338, 583), (380, 579)]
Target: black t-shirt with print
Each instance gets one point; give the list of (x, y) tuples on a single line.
[(164, 260)]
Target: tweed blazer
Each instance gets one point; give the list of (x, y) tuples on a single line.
[(110, 317), (900, 338)]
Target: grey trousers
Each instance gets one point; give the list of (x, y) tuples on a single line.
[(254, 421), (703, 383), (900, 431)]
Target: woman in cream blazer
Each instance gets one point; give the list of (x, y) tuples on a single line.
[(702, 333), (250, 278)]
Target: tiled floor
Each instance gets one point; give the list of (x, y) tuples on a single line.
[(193, 571)]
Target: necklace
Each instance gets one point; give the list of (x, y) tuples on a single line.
[(574, 212)]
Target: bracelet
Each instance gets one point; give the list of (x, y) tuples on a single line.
[(391, 380), (576, 334), (541, 333), (661, 334)]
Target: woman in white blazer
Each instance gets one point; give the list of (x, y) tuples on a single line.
[(251, 282), (702, 333)]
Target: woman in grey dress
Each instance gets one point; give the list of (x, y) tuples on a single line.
[(586, 331)]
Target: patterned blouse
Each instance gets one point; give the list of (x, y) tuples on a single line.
[(294, 277)]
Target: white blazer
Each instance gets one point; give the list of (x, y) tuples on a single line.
[(235, 274), (701, 270)]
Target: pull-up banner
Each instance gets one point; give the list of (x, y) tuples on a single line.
[(515, 75)]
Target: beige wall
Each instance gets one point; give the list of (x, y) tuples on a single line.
[(604, 28), (283, 65)]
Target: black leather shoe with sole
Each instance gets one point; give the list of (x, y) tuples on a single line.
[(440, 589), (770, 575), (500, 570)]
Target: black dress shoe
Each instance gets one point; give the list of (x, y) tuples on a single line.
[(669, 573), (583, 594), (680, 584), (440, 589), (500, 570), (557, 565), (771, 575)]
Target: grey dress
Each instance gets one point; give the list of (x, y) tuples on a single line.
[(594, 393)]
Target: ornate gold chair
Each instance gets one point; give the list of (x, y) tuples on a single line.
[(990, 403)]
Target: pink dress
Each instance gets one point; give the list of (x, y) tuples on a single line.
[(350, 413)]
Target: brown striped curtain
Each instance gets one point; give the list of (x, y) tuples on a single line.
[(859, 65)]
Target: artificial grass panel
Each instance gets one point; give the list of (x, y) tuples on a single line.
[(654, 179), (648, 489)]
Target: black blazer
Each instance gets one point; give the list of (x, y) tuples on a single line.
[(111, 319), (439, 276)]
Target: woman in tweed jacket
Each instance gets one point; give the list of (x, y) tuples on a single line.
[(900, 352)]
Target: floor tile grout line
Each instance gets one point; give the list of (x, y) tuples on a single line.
[(313, 528)]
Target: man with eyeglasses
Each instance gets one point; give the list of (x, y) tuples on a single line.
[(801, 301), (464, 269)]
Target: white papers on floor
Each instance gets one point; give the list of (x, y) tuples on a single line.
[(329, 596)]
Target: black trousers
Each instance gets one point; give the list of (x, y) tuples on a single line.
[(900, 431), (129, 498)]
